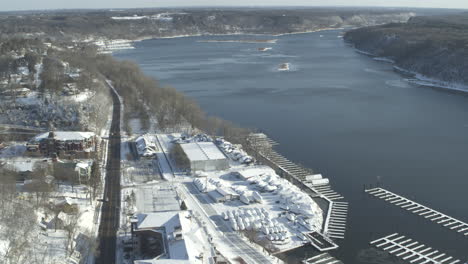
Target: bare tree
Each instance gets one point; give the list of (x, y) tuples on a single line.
[(71, 228), (95, 179)]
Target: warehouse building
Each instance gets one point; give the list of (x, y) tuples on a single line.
[(204, 156)]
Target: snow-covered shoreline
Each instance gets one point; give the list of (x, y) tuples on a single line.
[(234, 34), (108, 46), (419, 78), (423, 80)]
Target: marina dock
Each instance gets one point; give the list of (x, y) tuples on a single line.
[(335, 224), (321, 242), (424, 211), (323, 258), (411, 251), (263, 146), (336, 215)]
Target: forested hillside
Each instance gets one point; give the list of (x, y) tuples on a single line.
[(435, 46), (133, 24)]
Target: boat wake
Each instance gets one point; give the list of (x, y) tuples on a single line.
[(284, 67), (265, 49)]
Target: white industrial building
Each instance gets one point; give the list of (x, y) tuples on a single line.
[(204, 156)]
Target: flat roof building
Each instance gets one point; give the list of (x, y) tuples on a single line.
[(204, 156), (63, 144), (168, 237)]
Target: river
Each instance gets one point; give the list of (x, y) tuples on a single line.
[(341, 113)]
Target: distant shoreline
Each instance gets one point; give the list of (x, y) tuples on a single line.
[(234, 34), (418, 78), (249, 41)]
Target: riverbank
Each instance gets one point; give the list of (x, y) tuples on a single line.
[(418, 78), (233, 34), (433, 48)]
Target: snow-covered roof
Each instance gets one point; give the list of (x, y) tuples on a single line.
[(180, 250), (197, 151), (17, 90), (155, 220), (165, 261), (84, 164), (251, 172), (146, 145), (215, 195), (225, 191), (66, 135)]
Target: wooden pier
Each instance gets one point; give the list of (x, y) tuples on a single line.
[(335, 227), (412, 251), (424, 211), (323, 258)]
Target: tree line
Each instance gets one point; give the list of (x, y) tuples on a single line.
[(171, 108)]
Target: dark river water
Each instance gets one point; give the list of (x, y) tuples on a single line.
[(341, 113)]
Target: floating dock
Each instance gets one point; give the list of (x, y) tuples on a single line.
[(335, 225), (411, 251), (321, 242), (424, 211), (323, 258)]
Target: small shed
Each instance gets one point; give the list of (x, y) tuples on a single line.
[(228, 194), (216, 196), (222, 195)]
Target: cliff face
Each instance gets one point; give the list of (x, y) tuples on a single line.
[(165, 23), (435, 46)]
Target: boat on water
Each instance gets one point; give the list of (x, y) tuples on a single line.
[(263, 49), (284, 67)]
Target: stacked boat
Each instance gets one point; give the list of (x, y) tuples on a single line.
[(258, 220)]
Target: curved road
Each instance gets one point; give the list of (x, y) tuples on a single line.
[(110, 209)]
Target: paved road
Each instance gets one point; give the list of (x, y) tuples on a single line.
[(237, 244), (110, 209)]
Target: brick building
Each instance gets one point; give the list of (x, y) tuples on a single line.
[(63, 144)]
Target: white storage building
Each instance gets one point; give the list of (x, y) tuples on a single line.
[(204, 156)]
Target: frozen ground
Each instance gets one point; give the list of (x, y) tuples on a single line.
[(50, 246), (72, 111), (38, 244)]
